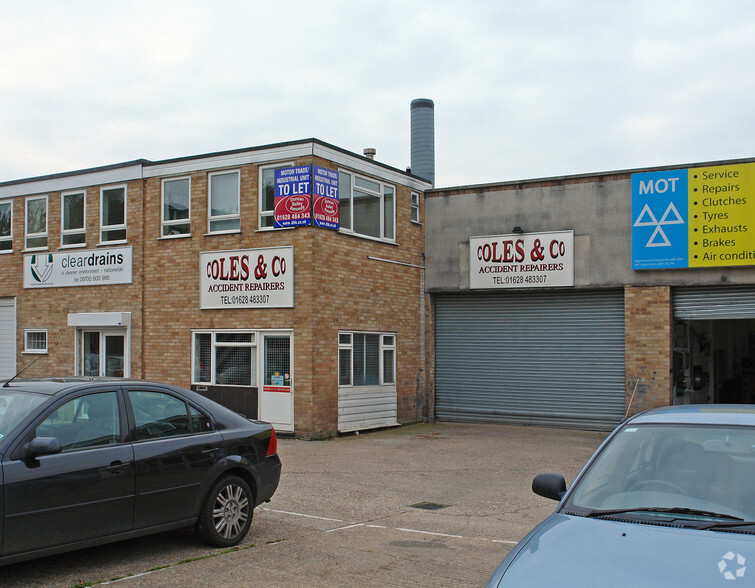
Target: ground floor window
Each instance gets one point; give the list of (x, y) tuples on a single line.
[(366, 359), (102, 353), (225, 358)]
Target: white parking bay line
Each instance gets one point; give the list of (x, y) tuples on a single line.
[(429, 533), (346, 527), (298, 514)]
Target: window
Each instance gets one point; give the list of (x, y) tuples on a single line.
[(366, 359), (367, 207), (159, 415), (87, 421), (225, 358), (35, 341), (36, 222), (176, 210), (6, 226), (267, 195), (224, 202), (415, 207), (72, 225), (113, 214)]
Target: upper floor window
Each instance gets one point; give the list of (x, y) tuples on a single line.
[(176, 210), (36, 222), (267, 195), (415, 207), (367, 207), (366, 359), (72, 225), (113, 214), (224, 202), (6, 226)]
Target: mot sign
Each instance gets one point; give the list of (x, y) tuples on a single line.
[(247, 278), (528, 260)]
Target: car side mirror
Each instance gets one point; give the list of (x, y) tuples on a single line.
[(43, 446), (549, 485)]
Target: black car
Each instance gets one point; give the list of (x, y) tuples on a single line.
[(86, 462)]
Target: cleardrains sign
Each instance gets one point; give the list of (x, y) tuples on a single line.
[(102, 267), (529, 260), (247, 278)]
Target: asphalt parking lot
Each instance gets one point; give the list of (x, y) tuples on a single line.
[(421, 505)]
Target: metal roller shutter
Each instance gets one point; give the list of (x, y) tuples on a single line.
[(554, 358), (714, 302), (7, 338)]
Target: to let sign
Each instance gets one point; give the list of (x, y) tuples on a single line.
[(529, 260), (293, 196)]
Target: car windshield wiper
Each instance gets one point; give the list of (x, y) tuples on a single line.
[(668, 510), (726, 525)]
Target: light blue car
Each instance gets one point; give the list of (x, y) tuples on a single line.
[(667, 500)]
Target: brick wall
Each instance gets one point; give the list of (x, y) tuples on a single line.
[(648, 352)]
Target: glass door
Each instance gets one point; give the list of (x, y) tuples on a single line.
[(103, 353), (276, 399)]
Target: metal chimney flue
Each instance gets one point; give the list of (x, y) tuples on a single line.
[(423, 139), (369, 152)]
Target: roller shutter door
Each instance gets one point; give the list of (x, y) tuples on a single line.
[(554, 358), (714, 302), (7, 338)]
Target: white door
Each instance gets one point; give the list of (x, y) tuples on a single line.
[(7, 338), (277, 396), (103, 353)]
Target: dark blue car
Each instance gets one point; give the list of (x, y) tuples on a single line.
[(667, 500), (84, 462)]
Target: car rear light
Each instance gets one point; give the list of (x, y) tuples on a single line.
[(272, 449)]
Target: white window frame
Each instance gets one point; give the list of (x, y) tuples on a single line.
[(29, 336), (380, 195), (76, 231), (9, 237), (225, 217), (214, 344), (263, 212), (415, 202), (387, 342), (40, 235), (119, 227), (166, 224)]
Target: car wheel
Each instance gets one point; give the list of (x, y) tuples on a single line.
[(226, 513)]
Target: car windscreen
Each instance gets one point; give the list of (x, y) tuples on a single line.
[(15, 406), (697, 468)]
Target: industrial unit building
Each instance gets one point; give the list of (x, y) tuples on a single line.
[(198, 272), (326, 292), (573, 301)]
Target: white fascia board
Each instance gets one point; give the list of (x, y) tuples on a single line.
[(99, 319), (71, 182), (227, 160), (366, 167)]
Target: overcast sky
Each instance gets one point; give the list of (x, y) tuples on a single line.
[(522, 88)]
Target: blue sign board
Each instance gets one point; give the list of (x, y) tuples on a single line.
[(660, 231), (325, 198), (293, 196)]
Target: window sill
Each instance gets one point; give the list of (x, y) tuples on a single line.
[(110, 243), (171, 237), (76, 246), (234, 232), (35, 250), (2, 251), (31, 352)]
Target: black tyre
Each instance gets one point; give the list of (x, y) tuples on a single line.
[(226, 514)]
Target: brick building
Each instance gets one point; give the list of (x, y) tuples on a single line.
[(178, 271)]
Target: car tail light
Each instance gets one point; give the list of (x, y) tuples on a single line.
[(272, 449)]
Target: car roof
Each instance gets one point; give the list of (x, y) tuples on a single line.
[(53, 385), (701, 414)]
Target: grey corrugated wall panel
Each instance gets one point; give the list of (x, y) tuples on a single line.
[(714, 302), (551, 358)]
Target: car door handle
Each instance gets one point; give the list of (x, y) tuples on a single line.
[(210, 452), (116, 468)]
